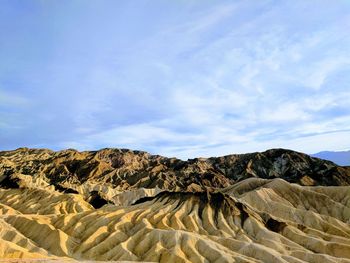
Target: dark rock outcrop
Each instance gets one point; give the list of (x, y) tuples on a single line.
[(128, 169)]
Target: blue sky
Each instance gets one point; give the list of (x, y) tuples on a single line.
[(181, 78)]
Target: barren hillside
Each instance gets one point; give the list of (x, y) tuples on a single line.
[(122, 205)]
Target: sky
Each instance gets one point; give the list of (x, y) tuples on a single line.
[(182, 78)]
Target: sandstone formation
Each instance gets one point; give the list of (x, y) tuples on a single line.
[(122, 205)]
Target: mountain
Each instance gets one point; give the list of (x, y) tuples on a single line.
[(123, 205), (126, 169), (340, 158)]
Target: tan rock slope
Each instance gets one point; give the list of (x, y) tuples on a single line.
[(120, 205)]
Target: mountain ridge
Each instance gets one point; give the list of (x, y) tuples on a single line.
[(122, 205), (124, 166)]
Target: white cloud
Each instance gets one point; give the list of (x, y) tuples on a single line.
[(319, 71)]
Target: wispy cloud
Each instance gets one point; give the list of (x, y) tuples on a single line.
[(11, 99), (196, 79)]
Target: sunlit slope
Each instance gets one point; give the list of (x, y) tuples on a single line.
[(254, 221), (38, 201)]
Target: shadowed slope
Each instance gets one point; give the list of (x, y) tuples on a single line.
[(254, 221)]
